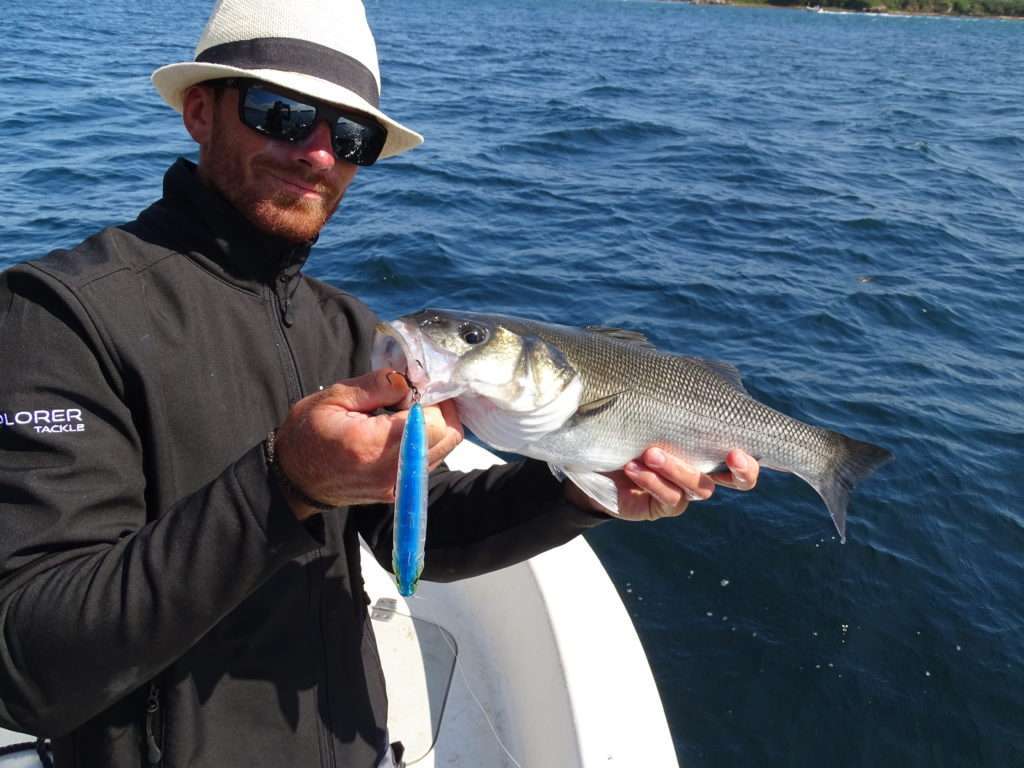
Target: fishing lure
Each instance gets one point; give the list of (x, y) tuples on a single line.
[(410, 503)]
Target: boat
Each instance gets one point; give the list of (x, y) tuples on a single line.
[(532, 666)]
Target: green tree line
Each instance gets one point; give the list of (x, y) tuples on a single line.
[(952, 7)]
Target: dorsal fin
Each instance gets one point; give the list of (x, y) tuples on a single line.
[(727, 371), (621, 334)]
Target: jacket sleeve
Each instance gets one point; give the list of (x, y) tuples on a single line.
[(98, 591), (484, 520)]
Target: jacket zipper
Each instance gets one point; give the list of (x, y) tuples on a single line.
[(324, 722), (283, 316), (153, 726), (291, 370)]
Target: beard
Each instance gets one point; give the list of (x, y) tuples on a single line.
[(289, 215)]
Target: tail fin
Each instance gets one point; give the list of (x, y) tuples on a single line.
[(852, 462)]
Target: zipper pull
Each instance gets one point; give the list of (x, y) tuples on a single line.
[(287, 285), (153, 752)]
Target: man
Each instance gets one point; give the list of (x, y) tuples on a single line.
[(176, 586)]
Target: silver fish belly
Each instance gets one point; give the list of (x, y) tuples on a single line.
[(588, 400)]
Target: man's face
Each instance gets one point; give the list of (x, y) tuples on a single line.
[(288, 190)]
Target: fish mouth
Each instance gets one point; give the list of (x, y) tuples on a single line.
[(401, 346), (390, 349)]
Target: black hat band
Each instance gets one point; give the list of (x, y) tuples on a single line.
[(292, 55)]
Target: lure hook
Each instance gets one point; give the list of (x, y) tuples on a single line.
[(408, 382)]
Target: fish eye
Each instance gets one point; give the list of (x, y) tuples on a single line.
[(472, 334)]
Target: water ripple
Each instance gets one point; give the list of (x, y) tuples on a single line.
[(833, 203)]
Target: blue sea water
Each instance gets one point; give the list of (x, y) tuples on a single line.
[(833, 203)]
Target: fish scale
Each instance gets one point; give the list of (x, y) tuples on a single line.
[(681, 404)]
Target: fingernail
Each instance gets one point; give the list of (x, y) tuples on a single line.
[(739, 463), (632, 468), (655, 457)]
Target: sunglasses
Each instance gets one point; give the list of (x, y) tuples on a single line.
[(290, 117)]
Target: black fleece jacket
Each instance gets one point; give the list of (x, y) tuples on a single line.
[(144, 549)]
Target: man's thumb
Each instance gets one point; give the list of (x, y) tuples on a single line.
[(377, 389)]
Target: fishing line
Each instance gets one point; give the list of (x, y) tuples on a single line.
[(480, 706), (387, 605), (451, 646)]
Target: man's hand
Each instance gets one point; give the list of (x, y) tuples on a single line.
[(658, 484), (332, 449)]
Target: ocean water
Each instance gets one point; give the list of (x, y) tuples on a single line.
[(833, 203)]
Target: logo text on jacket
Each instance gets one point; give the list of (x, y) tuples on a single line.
[(49, 420)]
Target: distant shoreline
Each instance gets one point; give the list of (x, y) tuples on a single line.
[(877, 10)]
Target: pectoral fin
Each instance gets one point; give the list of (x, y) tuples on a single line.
[(599, 487), (594, 407)]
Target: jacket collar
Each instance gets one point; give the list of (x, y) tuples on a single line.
[(221, 238)]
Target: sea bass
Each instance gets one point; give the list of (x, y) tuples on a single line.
[(588, 400)]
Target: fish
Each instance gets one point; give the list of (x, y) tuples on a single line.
[(587, 400), (410, 522)]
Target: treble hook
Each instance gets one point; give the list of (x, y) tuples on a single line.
[(408, 382)]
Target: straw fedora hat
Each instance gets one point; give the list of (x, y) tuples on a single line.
[(320, 48)]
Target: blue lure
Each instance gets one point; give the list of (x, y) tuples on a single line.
[(411, 503)]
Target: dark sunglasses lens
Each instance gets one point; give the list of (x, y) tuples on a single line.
[(284, 117), (357, 142), (281, 117)]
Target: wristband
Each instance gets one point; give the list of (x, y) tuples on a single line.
[(283, 482)]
